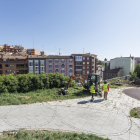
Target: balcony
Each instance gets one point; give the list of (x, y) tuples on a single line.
[(56, 66), (62, 70), (70, 66), (56, 70), (70, 70), (78, 69), (50, 61), (62, 66), (56, 61), (62, 61), (50, 66)]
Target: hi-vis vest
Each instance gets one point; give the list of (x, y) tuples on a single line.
[(105, 88), (92, 89)]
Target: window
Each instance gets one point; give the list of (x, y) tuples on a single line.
[(70, 74), (6, 71), (63, 60), (83, 58), (30, 62), (56, 70), (87, 72), (87, 67), (0, 71), (11, 59), (6, 65), (50, 66), (87, 58), (56, 66), (36, 63), (83, 67), (70, 60), (4, 59), (70, 70), (36, 69), (56, 60), (42, 69), (41, 62), (62, 65), (12, 71), (50, 70), (30, 69), (83, 62), (50, 60), (11, 65), (70, 66), (87, 62), (83, 72)]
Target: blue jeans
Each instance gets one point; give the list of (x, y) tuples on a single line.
[(92, 95)]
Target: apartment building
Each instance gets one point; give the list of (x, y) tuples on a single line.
[(84, 64), (1, 48), (36, 64), (11, 49), (13, 64), (126, 63), (33, 52), (61, 64)]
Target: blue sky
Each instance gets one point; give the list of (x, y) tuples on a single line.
[(107, 28)]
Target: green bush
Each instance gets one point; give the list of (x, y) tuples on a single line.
[(133, 76), (29, 82)]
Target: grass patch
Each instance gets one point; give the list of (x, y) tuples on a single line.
[(47, 135), (40, 96), (134, 113), (113, 86)]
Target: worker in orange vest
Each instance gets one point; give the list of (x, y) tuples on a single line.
[(105, 88)]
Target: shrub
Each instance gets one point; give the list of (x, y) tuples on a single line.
[(133, 76)]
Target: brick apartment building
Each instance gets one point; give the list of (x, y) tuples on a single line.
[(13, 64), (36, 64), (11, 49), (84, 64), (61, 64), (33, 52)]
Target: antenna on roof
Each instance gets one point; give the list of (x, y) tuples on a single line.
[(33, 42)]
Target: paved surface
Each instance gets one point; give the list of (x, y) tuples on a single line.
[(109, 118), (134, 93)]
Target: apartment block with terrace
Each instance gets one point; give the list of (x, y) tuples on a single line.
[(84, 64), (16, 64)]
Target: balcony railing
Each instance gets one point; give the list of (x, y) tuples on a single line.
[(62, 70), (78, 69), (56, 71), (56, 61), (62, 61), (71, 71), (62, 66)]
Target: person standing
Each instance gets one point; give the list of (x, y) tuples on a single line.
[(92, 91), (105, 88)]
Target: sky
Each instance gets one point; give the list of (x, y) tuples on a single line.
[(107, 28)]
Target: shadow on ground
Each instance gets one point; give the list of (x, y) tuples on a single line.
[(95, 101)]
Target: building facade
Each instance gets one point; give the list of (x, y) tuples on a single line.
[(84, 64), (36, 64), (33, 52), (100, 69), (13, 64), (11, 49), (62, 64), (109, 74), (126, 63)]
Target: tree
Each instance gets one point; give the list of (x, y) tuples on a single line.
[(137, 70), (101, 63), (133, 76)]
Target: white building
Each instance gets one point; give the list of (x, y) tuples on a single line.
[(127, 63)]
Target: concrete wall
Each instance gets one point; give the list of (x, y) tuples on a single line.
[(127, 63)]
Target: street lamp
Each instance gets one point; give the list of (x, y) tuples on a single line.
[(105, 61)]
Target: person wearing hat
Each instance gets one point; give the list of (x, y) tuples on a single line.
[(105, 88), (92, 91)]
